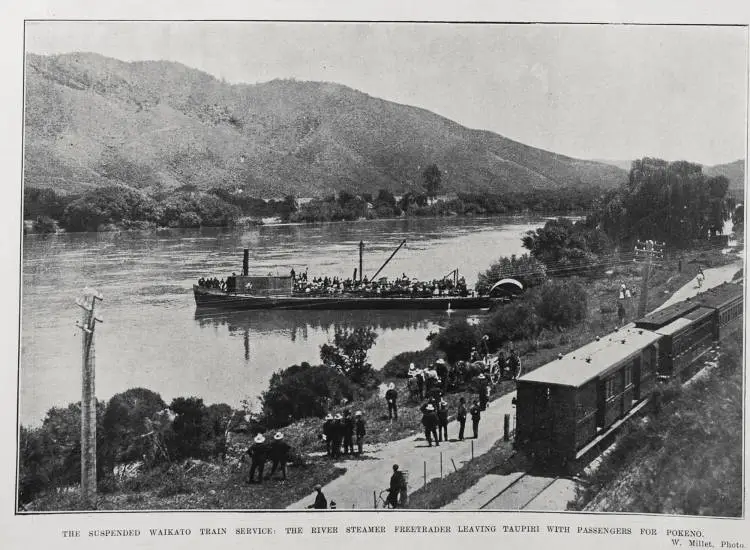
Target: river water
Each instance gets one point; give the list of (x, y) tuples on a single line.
[(152, 336)]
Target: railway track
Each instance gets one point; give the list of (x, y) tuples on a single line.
[(521, 493)]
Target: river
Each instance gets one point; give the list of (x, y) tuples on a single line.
[(152, 336)]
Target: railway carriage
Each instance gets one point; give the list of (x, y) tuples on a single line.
[(573, 405), (565, 405)]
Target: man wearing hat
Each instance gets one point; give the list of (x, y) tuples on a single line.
[(320, 500), (328, 432), (391, 395), (258, 452), (348, 423), (337, 434), (483, 387), (461, 417), (278, 451), (441, 367), (476, 415), (430, 422), (359, 426), (442, 414)]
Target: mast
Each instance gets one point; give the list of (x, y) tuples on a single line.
[(388, 260)]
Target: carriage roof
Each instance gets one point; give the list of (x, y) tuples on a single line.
[(594, 359)]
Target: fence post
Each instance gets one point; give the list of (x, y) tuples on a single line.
[(454, 465), (506, 427), (441, 464), (472, 449), (425, 472), (374, 500)]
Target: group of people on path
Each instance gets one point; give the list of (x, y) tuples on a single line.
[(340, 431), (277, 451), (435, 419)]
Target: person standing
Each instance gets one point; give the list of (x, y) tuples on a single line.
[(476, 415), (397, 488), (430, 421), (278, 451), (320, 500), (337, 434), (461, 417), (348, 424), (442, 413), (359, 427), (391, 396), (258, 452), (483, 389), (441, 367), (328, 433), (621, 312)]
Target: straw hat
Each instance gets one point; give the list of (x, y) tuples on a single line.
[(440, 362), (337, 417), (412, 366), (429, 408), (358, 413), (481, 377), (278, 436), (329, 416), (259, 438), (317, 487), (391, 386)]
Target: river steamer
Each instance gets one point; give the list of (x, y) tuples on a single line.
[(245, 292)]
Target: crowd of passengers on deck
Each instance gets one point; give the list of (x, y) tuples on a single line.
[(402, 286)]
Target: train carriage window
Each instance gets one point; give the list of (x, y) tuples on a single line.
[(628, 376), (609, 387)]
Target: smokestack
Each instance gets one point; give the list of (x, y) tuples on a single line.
[(245, 262)]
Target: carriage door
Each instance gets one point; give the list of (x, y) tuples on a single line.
[(601, 403), (544, 416), (636, 379)]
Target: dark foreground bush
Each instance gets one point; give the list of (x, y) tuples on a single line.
[(303, 390), (456, 340)]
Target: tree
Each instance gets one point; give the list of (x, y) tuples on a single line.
[(302, 391), (348, 354), (567, 248), (738, 218), (124, 425), (456, 340), (192, 431), (431, 178)]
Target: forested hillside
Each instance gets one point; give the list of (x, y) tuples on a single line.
[(158, 126)]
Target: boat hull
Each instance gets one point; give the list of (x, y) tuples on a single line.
[(216, 299)]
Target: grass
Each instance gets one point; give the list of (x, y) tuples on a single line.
[(441, 491)]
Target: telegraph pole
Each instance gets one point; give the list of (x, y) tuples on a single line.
[(88, 397), (647, 252)]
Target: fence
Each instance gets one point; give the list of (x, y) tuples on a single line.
[(445, 465)]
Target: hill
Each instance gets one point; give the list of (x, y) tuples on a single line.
[(156, 125), (733, 171)]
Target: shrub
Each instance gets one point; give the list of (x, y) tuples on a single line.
[(511, 322), (456, 340), (302, 390), (398, 366), (561, 303)]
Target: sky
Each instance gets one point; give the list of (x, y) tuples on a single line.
[(613, 92)]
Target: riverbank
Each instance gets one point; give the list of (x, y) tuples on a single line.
[(221, 485)]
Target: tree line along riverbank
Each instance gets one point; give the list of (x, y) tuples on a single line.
[(117, 207), (188, 455)]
